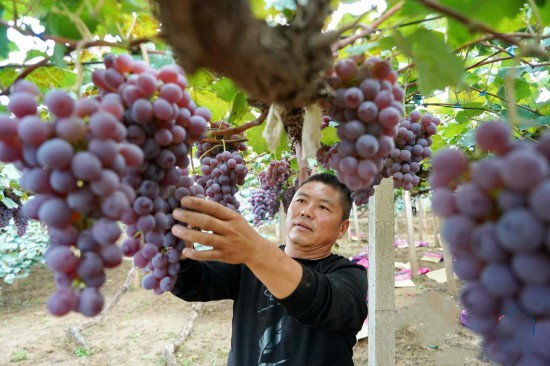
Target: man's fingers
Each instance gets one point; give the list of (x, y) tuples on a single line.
[(197, 219), (208, 207), (203, 255), (212, 240)]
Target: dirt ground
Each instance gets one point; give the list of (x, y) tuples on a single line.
[(135, 332)]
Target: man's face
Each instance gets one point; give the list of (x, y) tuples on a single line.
[(314, 217)]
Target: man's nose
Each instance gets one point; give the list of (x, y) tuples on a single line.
[(306, 211)]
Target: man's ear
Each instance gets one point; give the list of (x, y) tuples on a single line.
[(343, 228)]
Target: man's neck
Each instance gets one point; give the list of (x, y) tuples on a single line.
[(295, 251)]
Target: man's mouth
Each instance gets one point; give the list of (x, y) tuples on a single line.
[(303, 225)]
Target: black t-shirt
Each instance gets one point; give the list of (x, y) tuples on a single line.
[(315, 325)]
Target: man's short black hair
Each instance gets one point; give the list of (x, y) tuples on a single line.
[(332, 181)]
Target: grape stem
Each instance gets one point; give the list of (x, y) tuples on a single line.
[(222, 141), (191, 159), (369, 29), (207, 151)]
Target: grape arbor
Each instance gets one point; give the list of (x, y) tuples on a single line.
[(104, 139)]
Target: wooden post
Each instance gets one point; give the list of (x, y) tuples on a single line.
[(436, 242), (137, 281), (381, 276), (448, 261), (303, 173), (282, 218), (356, 222), (410, 233), (420, 210)]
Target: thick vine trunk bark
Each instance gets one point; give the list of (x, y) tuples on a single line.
[(279, 64)]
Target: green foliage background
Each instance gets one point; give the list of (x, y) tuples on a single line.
[(458, 75)]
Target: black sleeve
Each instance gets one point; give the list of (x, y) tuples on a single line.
[(330, 302), (207, 281)]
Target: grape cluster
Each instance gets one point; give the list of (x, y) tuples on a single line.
[(325, 122), (74, 163), (222, 166), (361, 196), (325, 153), (497, 224), (163, 122), (412, 145), (6, 214), (368, 106), (265, 204), (265, 201), (118, 156), (277, 173), (288, 195)]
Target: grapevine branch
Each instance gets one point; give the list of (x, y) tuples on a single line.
[(20, 66), (222, 142), (281, 64), (171, 348), (478, 64), (454, 106), (503, 99), (72, 43), (411, 23), (369, 29), (520, 35), (235, 130), (472, 25)]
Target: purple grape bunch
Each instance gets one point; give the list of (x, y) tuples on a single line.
[(163, 122), (497, 224), (325, 153), (288, 195), (121, 155), (222, 166), (6, 214), (266, 200), (368, 106), (73, 163), (412, 146), (278, 172)]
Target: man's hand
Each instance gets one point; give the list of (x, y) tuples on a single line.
[(232, 239)]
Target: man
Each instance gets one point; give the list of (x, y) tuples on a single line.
[(296, 304)]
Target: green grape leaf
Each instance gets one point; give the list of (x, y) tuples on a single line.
[(58, 54), (47, 78), (258, 143), (4, 41), (200, 79), (225, 89), (437, 66), (34, 53), (329, 136), (240, 107), (466, 115), (7, 76), (454, 129), (208, 99), (491, 12)]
